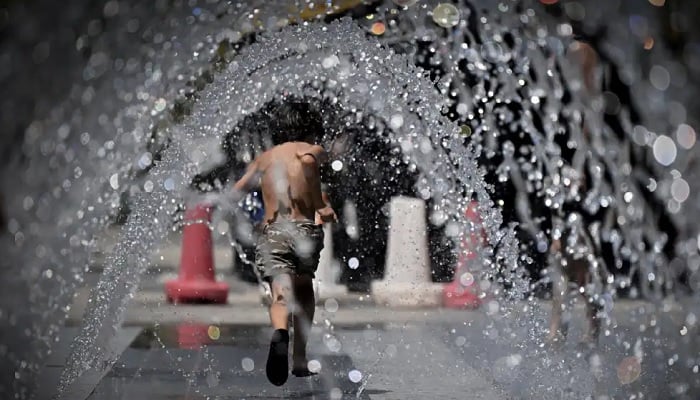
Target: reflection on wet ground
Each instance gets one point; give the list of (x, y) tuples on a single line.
[(473, 357), (196, 361), (192, 336)]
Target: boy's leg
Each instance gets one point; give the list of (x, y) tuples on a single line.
[(282, 299), (277, 367), (303, 317), (311, 236)]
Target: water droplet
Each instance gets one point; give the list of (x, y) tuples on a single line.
[(169, 184), (332, 343), (460, 341), (145, 160), (565, 29), (452, 229), (659, 77), (353, 263), (28, 203), (514, 360), (330, 61), (223, 227), (664, 150), (378, 28), (685, 135), (114, 181), (629, 370), (335, 394), (628, 197), (247, 364), (148, 186), (160, 104), (314, 366), (213, 332), (331, 305), (396, 121), (680, 190), (438, 217), (337, 165), (462, 108), (466, 279), (111, 8), (446, 15), (355, 376)]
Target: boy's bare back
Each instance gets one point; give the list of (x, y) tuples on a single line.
[(290, 181)]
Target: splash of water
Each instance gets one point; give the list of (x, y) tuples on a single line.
[(341, 65), (85, 165)]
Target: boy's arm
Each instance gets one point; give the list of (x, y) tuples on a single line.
[(311, 158), (325, 214), (247, 181), (325, 198), (310, 166)]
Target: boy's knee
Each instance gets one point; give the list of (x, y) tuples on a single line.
[(281, 289), (279, 299)]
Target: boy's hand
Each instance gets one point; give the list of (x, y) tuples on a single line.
[(325, 214)]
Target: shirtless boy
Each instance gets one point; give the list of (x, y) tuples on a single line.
[(287, 252)]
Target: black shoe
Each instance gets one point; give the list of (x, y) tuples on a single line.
[(277, 368)]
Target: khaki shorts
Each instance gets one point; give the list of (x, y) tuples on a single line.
[(289, 247)]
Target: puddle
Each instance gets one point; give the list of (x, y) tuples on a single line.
[(190, 336)]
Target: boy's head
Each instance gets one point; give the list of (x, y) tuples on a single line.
[(297, 122)]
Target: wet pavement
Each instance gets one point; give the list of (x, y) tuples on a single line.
[(371, 352), (460, 355), (474, 358), (208, 362)]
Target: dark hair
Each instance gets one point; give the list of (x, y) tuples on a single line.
[(296, 121)]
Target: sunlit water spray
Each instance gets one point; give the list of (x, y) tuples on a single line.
[(338, 64), (341, 66)]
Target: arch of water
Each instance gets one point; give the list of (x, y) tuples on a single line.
[(334, 62)]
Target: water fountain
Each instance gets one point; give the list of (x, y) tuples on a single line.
[(489, 84)]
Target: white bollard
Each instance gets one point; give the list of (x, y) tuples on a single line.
[(328, 270), (407, 280)]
